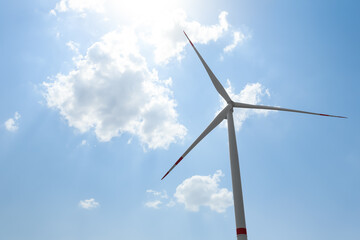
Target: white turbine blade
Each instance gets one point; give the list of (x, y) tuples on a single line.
[(213, 78), (244, 105), (217, 120)]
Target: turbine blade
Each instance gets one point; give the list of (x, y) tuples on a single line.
[(213, 78), (217, 120), (244, 105)]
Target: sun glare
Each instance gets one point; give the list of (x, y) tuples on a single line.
[(143, 11)]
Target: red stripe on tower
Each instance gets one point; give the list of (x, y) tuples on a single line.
[(240, 231), (188, 39), (165, 175), (178, 160)]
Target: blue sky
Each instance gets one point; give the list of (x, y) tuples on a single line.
[(100, 98)]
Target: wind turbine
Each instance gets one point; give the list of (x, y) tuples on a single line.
[(227, 113)]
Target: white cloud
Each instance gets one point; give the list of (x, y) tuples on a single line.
[(79, 6), (171, 203), (238, 37), (112, 91), (52, 12), (167, 34), (159, 197), (195, 192), (198, 191), (159, 23), (73, 46), (162, 194), (251, 94), (12, 123), (89, 203), (153, 204)]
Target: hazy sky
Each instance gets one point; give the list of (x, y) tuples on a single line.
[(99, 98)]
